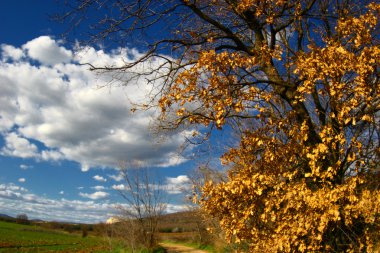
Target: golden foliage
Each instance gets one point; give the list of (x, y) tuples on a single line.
[(296, 183)]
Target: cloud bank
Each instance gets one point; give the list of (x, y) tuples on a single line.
[(95, 196), (52, 109), (172, 185), (15, 199)]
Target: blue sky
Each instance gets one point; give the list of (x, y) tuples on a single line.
[(62, 138)]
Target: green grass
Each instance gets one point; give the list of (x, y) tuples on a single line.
[(31, 238)]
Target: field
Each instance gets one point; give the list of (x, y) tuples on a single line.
[(39, 236), (31, 238)]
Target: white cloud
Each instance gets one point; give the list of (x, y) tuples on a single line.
[(47, 51), (22, 180), (177, 185), (10, 52), (119, 187), (12, 187), (172, 185), (180, 180), (98, 187), (15, 199), (117, 178), (59, 105), (85, 167), (95, 196), (51, 155), (170, 208), (61, 192), (25, 167), (18, 146), (99, 178)]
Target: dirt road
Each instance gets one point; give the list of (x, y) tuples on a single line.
[(176, 248)]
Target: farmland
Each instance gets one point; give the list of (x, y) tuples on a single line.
[(179, 229), (32, 238)]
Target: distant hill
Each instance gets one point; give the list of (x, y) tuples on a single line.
[(37, 220), (187, 221), (179, 222), (6, 217)]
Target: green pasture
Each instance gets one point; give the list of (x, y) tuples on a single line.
[(31, 238)]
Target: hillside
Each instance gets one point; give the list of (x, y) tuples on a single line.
[(179, 222)]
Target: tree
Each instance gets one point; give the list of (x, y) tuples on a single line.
[(299, 80), (84, 228), (22, 219), (144, 206)]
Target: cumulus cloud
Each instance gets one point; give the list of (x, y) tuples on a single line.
[(47, 51), (179, 180), (59, 106), (10, 52), (99, 187), (18, 146), (117, 178), (51, 155), (172, 185), (95, 195), (99, 178), (25, 167), (119, 187), (176, 185), (22, 180)]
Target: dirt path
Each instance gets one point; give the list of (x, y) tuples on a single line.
[(177, 248)]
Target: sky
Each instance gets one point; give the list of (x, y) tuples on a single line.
[(64, 131)]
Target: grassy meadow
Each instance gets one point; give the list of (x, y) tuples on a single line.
[(32, 238)]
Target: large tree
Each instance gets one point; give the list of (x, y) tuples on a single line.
[(299, 80)]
